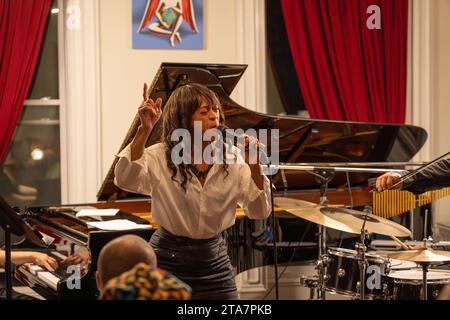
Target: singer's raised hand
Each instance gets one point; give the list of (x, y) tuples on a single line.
[(149, 110)]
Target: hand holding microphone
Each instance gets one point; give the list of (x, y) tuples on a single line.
[(251, 146)]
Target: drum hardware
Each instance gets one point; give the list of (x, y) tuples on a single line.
[(425, 282), (324, 177), (343, 276), (340, 219), (361, 250), (424, 257), (320, 263), (311, 282), (425, 265), (332, 276), (363, 264), (408, 284), (345, 220), (382, 295)]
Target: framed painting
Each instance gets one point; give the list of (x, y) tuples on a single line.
[(167, 24)]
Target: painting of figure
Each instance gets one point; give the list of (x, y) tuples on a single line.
[(167, 24)]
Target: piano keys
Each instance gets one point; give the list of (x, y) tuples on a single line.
[(64, 235), (36, 275)]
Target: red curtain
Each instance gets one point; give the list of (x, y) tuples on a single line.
[(347, 71), (22, 25)]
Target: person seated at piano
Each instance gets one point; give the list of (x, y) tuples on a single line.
[(22, 257), (434, 177), (192, 203), (81, 258)]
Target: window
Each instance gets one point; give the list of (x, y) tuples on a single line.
[(32, 167)]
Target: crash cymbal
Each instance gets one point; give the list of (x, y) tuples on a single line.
[(290, 203), (374, 224), (284, 205), (311, 212), (341, 219), (421, 255)]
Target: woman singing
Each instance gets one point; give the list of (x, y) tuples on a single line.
[(192, 203)]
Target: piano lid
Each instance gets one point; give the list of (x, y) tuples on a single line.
[(302, 140), (222, 78)]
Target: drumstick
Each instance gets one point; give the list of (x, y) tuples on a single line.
[(404, 245), (439, 270)]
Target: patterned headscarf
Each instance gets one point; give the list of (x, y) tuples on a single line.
[(145, 283)]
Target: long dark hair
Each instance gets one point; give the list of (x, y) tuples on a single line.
[(177, 114)]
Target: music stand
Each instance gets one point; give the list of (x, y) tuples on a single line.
[(12, 224)]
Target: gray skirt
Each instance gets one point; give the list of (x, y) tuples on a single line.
[(203, 264)]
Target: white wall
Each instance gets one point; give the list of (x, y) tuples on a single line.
[(124, 70), (440, 64), (440, 93), (429, 97)]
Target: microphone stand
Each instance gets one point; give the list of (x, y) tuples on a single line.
[(265, 159), (324, 176), (361, 250), (275, 237), (8, 262)]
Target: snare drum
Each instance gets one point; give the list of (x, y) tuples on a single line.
[(407, 284), (343, 274)]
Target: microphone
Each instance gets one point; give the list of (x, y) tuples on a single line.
[(230, 133), (264, 159), (222, 129)]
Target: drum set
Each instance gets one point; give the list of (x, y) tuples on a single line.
[(363, 275)]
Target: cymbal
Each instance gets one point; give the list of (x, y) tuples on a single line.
[(374, 224), (341, 219), (311, 212), (287, 204), (290, 203), (421, 255)]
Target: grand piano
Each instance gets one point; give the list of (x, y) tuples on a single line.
[(302, 140)]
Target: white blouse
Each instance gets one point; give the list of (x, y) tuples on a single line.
[(202, 211)]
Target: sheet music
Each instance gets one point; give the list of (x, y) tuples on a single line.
[(97, 213), (118, 225)]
